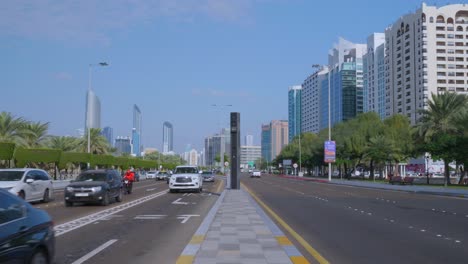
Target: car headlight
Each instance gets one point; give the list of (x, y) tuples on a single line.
[(194, 178), (70, 189), (96, 189)]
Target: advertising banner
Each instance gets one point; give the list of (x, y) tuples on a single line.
[(330, 151)]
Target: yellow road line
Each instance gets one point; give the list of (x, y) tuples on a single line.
[(197, 239), (283, 241), (291, 231), (299, 260), (220, 185), (185, 260)]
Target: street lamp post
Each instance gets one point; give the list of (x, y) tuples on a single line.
[(102, 64), (329, 113)]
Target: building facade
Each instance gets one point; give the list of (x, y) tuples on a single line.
[(215, 145), (425, 53), (249, 154), (374, 75), (108, 133), (248, 140), (346, 83), (310, 101), (193, 157), (137, 146), (123, 145), (294, 111), (93, 111), (168, 137), (274, 137)]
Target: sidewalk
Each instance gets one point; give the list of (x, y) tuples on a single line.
[(237, 230), (386, 186)]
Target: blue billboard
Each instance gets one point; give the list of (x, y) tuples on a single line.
[(330, 151)]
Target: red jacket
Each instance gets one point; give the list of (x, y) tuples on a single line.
[(129, 175)]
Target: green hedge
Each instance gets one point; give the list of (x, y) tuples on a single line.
[(73, 157), (102, 160), (24, 156), (6, 150)]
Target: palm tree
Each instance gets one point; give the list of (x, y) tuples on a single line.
[(66, 144), (35, 134), (10, 128), (98, 143), (438, 127)]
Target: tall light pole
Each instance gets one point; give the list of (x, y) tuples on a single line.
[(329, 112), (102, 64)]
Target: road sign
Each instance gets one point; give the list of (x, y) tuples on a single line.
[(226, 164), (287, 163), (330, 151), (295, 165)]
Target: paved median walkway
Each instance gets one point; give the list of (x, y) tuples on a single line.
[(238, 231)]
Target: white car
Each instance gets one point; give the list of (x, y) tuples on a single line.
[(151, 175), (29, 184), (186, 178), (256, 173)]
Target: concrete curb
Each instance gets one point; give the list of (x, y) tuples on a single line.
[(190, 251), (293, 253)]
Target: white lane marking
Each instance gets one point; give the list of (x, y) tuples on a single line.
[(410, 227), (439, 235), (422, 230), (178, 202), (149, 190), (457, 241), (107, 218), (185, 218), (86, 220), (95, 252), (149, 217), (369, 213), (187, 194)]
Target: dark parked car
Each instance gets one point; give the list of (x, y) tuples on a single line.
[(208, 176), (102, 186), (26, 233)]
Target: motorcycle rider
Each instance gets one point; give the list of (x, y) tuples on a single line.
[(130, 177)]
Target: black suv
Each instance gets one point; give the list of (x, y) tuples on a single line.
[(102, 186)]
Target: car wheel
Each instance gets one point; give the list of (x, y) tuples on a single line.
[(46, 197), (119, 197), (68, 204), (22, 195), (39, 257), (105, 199)]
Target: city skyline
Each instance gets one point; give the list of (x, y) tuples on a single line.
[(49, 60)]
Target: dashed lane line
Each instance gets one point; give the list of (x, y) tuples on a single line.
[(95, 252)]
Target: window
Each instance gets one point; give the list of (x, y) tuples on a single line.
[(440, 66), (11, 208), (440, 19)]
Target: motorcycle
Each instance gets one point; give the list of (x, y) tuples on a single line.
[(127, 187)]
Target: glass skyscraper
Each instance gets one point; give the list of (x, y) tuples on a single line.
[(294, 111), (168, 137), (108, 133), (93, 111), (136, 131)]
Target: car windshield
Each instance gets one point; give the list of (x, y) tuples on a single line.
[(92, 177), (11, 175), (207, 173), (151, 172), (185, 170)]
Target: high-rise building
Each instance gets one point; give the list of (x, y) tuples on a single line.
[(249, 140), (310, 101), (136, 132), (93, 111), (249, 154), (193, 157), (215, 145), (108, 133), (374, 75), (274, 138), (168, 135), (294, 111), (425, 53), (346, 83), (123, 145)]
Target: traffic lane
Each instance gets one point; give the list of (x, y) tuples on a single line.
[(406, 209), (60, 213), (155, 231), (342, 235)]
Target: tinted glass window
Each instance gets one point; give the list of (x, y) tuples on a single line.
[(43, 175), (185, 170), (92, 177), (37, 176), (11, 175), (10, 208)]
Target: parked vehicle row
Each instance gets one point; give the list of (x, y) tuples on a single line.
[(30, 184)]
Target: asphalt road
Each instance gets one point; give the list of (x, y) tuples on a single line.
[(357, 225), (148, 226)]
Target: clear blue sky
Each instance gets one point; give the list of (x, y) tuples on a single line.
[(173, 58)]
